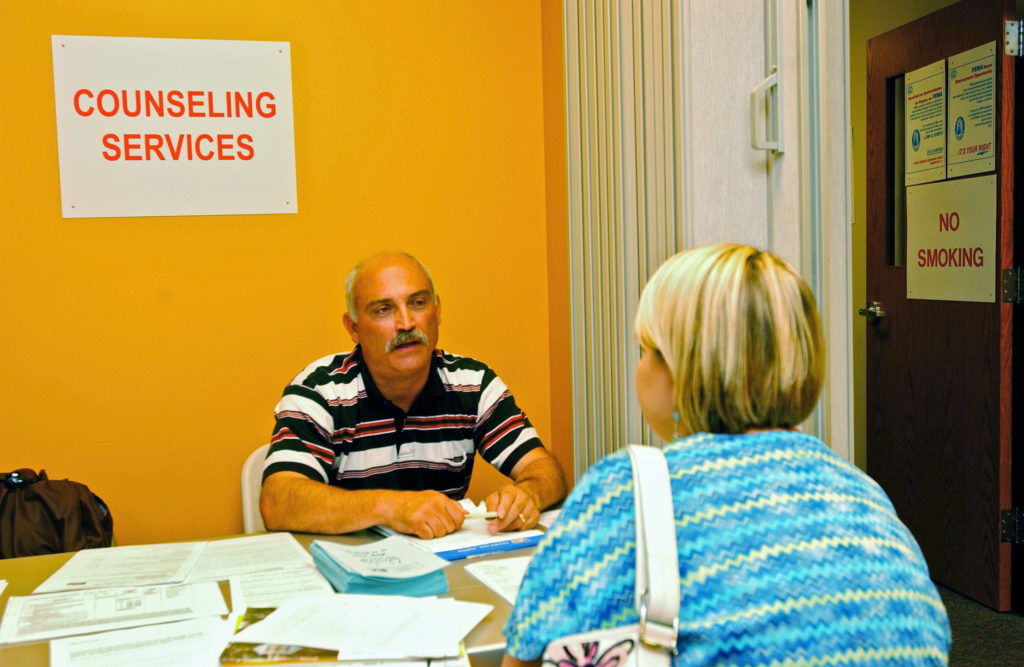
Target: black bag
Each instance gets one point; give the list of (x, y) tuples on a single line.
[(39, 515)]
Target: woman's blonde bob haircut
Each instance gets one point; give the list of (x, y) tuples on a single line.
[(740, 333)]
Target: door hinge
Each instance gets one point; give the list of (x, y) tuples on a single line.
[(1013, 289), (1012, 522), (1013, 37)]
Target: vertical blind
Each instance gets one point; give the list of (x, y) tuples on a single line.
[(658, 106), (624, 203)]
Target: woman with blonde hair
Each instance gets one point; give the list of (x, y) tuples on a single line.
[(788, 554)]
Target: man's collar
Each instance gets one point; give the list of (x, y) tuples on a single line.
[(364, 370), (433, 389)]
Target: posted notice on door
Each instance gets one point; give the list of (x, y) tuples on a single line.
[(951, 240), (972, 112), (925, 144)]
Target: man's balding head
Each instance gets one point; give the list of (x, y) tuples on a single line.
[(375, 262)]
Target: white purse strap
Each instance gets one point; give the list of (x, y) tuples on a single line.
[(657, 558)]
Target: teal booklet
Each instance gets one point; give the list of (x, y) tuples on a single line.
[(391, 566)]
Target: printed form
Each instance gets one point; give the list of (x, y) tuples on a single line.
[(30, 618), (196, 642)]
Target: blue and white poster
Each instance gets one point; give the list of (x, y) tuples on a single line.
[(925, 143), (972, 112)]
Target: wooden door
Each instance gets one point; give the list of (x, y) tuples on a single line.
[(940, 389)]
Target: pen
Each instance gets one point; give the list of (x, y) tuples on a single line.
[(482, 515)]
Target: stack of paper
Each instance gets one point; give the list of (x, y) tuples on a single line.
[(237, 654), (391, 566), (369, 627)]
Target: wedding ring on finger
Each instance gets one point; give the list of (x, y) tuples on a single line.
[(522, 519)]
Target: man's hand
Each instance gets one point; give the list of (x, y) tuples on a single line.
[(425, 514), (516, 507), (539, 484), (291, 501)]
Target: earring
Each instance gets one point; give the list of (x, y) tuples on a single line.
[(675, 425)]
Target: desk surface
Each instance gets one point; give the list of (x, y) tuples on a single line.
[(485, 644)]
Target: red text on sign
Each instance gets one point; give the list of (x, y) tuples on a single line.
[(177, 147), (949, 221), (950, 257), (174, 103)]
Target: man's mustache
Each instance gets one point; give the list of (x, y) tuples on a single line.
[(403, 337)]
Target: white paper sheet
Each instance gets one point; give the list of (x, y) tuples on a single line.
[(472, 536), (274, 588), (195, 642), (503, 576), (547, 519), (3, 585), (222, 559), (37, 617), (477, 510), (392, 558), (139, 565), (365, 627)]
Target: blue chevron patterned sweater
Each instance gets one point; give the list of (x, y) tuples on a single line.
[(787, 555)]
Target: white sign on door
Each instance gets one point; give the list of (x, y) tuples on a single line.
[(155, 127), (972, 111), (925, 145), (951, 240)]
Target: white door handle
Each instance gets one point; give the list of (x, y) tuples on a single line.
[(765, 113)]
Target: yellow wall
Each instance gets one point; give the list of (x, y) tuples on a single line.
[(143, 356)]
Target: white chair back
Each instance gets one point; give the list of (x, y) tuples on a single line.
[(252, 481)]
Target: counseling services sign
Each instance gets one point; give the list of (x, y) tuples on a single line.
[(151, 127)]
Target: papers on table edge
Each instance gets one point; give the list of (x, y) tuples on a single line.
[(73, 598), (176, 562), (194, 642), (472, 539), (194, 567), (29, 618), (365, 627), (136, 565), (501, 575)]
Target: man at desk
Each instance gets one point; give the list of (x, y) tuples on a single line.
[(387, 433)]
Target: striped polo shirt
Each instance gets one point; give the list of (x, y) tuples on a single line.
[(333, 425)]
